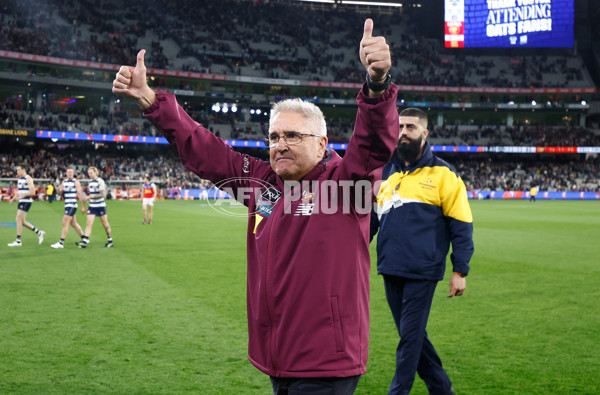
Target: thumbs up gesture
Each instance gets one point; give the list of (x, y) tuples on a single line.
[(374, 53), (131, 82)]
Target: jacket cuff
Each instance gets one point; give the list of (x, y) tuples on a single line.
[(462, 268), (154, 106), (363, 95)]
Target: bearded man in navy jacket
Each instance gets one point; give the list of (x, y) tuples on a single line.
[(421, 208)]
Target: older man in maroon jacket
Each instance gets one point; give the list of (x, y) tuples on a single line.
[(308, 227)]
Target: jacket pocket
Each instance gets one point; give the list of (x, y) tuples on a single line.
[(338, 334)]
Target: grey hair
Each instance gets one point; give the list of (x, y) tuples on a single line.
[(313, 114)]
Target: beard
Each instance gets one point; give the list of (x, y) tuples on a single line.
[(411, 151)]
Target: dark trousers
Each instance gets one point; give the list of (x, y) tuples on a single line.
[(315, 386), (410, 302)]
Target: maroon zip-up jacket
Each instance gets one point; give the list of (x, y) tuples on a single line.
[(307, 248)]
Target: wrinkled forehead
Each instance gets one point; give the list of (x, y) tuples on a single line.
[(412, 121), (286, 121)]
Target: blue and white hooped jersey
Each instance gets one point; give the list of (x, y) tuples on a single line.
[(97, 187), (23, 188), (70, 193)]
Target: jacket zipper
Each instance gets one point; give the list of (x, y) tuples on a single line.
[(267, 293)]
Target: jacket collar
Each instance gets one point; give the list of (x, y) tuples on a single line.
[(330, 158)]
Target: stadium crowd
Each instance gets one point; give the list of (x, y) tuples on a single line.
[(231, 126), (516, 135), (551, 174), (255, 38), (479, 171), (51, 165)]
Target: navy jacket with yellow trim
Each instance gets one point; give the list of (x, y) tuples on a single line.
[(422, 208)]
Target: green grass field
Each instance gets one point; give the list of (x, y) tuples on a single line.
[(163, 312)]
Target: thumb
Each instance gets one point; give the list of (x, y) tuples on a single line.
[(452, 291), (140, 59), (368, 32)]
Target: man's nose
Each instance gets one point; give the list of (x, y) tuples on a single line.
[(281, 144)]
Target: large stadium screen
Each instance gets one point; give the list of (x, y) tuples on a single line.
[(508, 23)]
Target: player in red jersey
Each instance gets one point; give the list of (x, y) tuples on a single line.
[(148, 198)]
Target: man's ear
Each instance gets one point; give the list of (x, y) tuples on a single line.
[(322, 146), (425, 134)]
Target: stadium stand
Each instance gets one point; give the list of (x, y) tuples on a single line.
[(482, 172), (256, 39), (257, 52)]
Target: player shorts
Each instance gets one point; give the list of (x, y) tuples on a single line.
[(97, 211), (148, 201), (24, 206), (70, 211)]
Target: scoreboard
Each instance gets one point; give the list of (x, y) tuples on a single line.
[(508, 23)]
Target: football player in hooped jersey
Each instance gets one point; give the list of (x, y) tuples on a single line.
[(24, 194), (96, 208), (71, 190), (149, 197)]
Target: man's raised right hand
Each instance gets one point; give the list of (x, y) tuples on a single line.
[(131, 82)]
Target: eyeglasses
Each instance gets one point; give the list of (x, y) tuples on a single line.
[(290, 138)]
